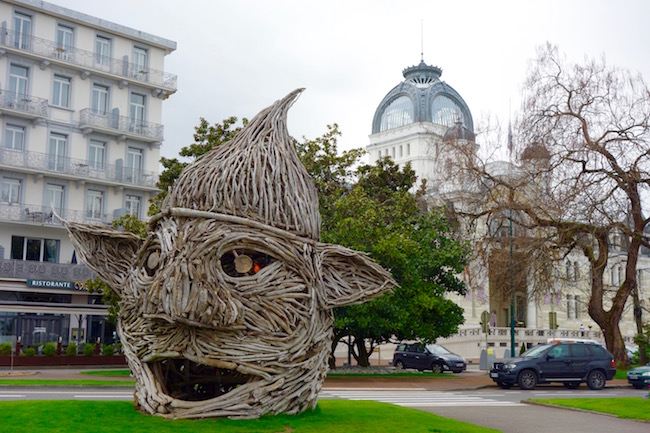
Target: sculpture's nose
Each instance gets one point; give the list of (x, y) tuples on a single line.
[(192, 297)]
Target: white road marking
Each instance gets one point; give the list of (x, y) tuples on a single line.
[(418, 398)]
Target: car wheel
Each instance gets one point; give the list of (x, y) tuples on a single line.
[(399, 365), (596, 380), (527, 380), (572, 385), (638, 385), (436, 368), (504, 385)]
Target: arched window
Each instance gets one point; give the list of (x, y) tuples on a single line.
[(398, 113), (445, 111)]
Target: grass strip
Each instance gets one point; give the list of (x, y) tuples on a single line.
[(625, 407), (329, 416), (63, 382), (109, 373)]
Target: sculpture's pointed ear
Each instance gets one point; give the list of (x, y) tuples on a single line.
[(106, 251), (350, 277)]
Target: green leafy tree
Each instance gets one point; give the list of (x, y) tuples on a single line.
[(333, 172), (381, 217)]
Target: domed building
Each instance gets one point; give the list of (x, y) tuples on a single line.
[(425, 122), (415, 118)]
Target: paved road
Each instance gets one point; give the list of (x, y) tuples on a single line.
[(503, 409)]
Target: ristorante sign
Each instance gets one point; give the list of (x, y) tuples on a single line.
[(52, 284)]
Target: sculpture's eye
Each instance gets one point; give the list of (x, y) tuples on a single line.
[(152, 262), (238, 263)]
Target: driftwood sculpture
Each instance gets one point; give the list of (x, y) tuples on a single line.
[(226, 306)]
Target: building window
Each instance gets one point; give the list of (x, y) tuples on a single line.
[(133, 164), (94, 204), (56, 152), (102, 50), (61, 96), (14, 137), (96, 154), (392, 153), (578, 307), (18, 81), (136, 111), (99, 103), (10, 191), (22, 30), (139, 63), (400, 151), (64, 42), (408, 149), (34, 249), (132, 205), (54, 197)]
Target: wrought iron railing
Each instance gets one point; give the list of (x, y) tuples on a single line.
[(123, 124), (25, 103), (44, 270), (82, 168), (87, 59), (47, 215)]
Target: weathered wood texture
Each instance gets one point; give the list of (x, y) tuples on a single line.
[(226, 307)]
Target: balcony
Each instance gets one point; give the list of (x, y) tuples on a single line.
[(78, 169), (21, 269), (48, 51), (26, 106), (114, 124), (44, 215)]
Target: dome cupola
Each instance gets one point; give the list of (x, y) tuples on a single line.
[(422, 97)]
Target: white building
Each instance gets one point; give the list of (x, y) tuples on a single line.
[(412, 124), (80, 112)]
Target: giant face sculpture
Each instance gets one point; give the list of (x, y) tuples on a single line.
[(226, 306)]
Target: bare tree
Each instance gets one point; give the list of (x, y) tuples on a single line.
[(584, 148)]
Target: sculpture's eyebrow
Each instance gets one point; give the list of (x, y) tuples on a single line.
[(193, 213)]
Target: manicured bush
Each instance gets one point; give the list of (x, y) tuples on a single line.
[(118, 348), (5, 348), (71, 350), (108, 350), (30, 351), (49, 349), (89, 349)]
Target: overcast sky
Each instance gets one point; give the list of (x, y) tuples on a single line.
[(234, 58)]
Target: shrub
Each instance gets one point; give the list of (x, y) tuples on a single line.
[(89, 349), (118, 348), (30, 351), (108, 350), (5, 349), (71, 350), (49, 349)]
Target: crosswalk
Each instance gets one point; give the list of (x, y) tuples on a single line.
[(414, 397)]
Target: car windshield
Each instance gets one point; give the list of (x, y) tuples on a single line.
[(436, 349), (534, 352)]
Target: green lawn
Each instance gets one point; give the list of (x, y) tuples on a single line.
[(625, 407), (53, 382), (117, 417)]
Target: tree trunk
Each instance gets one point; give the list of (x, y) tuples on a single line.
[(363, 355), (607, 320)]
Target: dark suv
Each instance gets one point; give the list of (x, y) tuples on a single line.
[(569, 363), (432, 357)]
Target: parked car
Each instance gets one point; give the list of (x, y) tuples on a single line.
[(631, 351), (639, 377), (432, 357), (569, 363)]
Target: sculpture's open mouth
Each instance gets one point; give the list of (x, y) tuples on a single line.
[(186, 380)]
